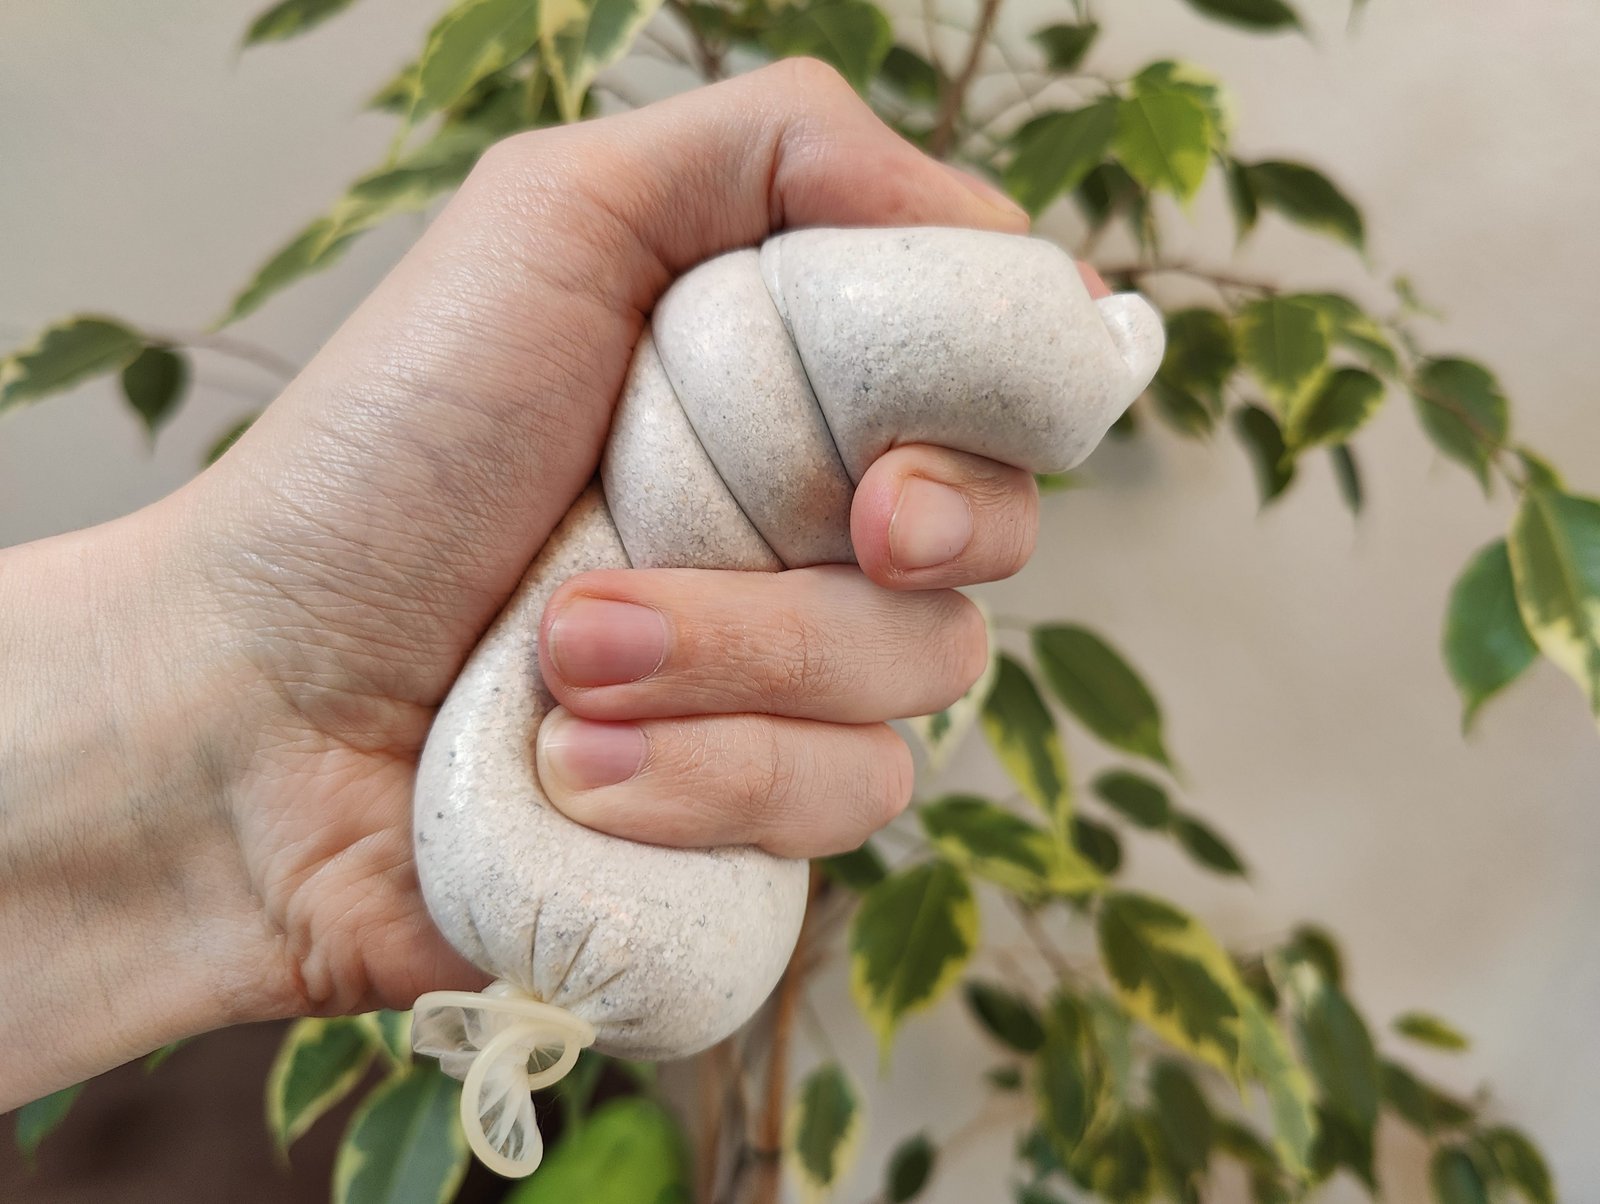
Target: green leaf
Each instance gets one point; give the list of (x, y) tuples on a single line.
[(1455, 1178), (292, 17), (909, 942), (1111, 1029), (1340, 407), (629, 1151), (1135, 797), (228, 439), (1060, 1078), (851, 34), (1338, 1048), (1206, 846), (1114, 1160), (1065, 46), (1098, 843), (1259, 15), (1353, 328), (1463, 411), (156, 1058), (154, 384), (1284, 341), (317, 246), (1005, 1015), (910, 1167), (66, 354), (1163, 138), (473, 40), (39, 1119), (1200, 353), (911, 75), (1555, 566), (1425, 1108), (823, 1128), (1340, 1144), (1109, 190), (859, 869), (1183, 1116), (992, 843), (1306, 196), (581, 38), (1541, 473), (1269, 455), (1057, 151), (942, 732), (1314, 945), (1101, 690), (1520, 1164), (1004, 1078), (398, 93), (1267, 1059), (390, 1031), (1241, 199), (1023, 734), (1171, 974), (1486, 644), (404, 1144), (1347, 474), (318, 1064), (1428, 1029)]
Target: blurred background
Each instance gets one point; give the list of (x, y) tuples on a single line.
[(146, 168)]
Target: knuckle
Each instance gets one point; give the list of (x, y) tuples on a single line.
[(969, 646), (799, 665), (811, 78)]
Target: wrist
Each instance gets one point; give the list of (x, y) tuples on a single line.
[(126, 916)]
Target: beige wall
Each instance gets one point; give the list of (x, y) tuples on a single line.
[(144, 169)]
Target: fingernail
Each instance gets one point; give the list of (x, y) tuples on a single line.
[(599, 642), (986, 192), (930, 525), (581, 755)]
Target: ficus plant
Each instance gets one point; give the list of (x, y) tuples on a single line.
[(1141, 1069)]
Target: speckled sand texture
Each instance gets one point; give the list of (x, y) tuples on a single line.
[(720, 457)]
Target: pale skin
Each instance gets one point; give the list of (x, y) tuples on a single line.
[(213, 707)]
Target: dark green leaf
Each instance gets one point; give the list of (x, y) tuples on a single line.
[(228, 439), (1183, 1115), (1308, 197), (1234, 1138), (38, 1120), (910, 1167), (823, 1127), (1163, 137), (1242, 199), (1101, 689), (1004, 1078), (1065, 46), (292, 17), (473, 40), (1114, 1161), (1541, 473), (1284, 341), (398, 93), (1339, 408), (1347, 472), (1555, 567), (1200, 354), (1353, 328), (1314, 945), (1425, 1108), (1341, 1145), (1098, 843), (317, 246), (1266, 1058), (404, 1144), (629, 1151), (1250, 14), (1520, 1164), (1135, 797), (154, 385), (853, 35), (1171, 973), (318, 1064), (1023, 734), (860, 869), (63, 355), (911, 75), (1111, 1029), (995, 844), (390, 1031), (909, 941), (1183, 411), (1269, 455), (1057, 151), (1455, 1178), (1109, 190), (1202, 843), (1008, 1017), (1430, 1030), (1461, 407), (1060, 1078), (1338, 1048)]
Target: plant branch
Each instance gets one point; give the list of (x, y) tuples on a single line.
[(221, 344), (1210, 276), (954, 97), (708, 57)]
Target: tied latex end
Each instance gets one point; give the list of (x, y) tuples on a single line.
[(503, 1044)]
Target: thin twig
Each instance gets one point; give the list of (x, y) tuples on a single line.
[(709, 57), (954, 97), (233, 348), (1194, 272), (1041, 941)]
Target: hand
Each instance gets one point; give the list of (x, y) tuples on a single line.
[(204, 791)]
